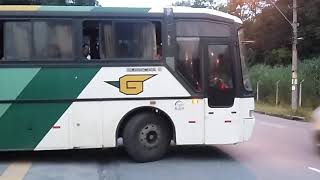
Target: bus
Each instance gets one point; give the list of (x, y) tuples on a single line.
[(142, 77)]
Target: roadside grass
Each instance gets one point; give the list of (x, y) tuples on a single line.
[(284, 110)]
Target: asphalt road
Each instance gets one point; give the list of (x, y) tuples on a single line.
[(280, 149)]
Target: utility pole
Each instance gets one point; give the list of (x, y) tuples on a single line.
[(294, 76), (294, 88)]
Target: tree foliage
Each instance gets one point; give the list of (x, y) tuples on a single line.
[(246, 9), (212, 4)]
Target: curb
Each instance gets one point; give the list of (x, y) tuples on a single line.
[(290, 117)]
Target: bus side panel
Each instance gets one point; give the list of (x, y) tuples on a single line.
[(31, 104), (230, 125), (104, 115), (186, 117), (23, 126), (49, 123), (223, 126), (246, 106), (144, 82), (82, 123), (86, 124), (96, 128), (59, 136)]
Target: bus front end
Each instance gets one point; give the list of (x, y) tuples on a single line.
[(247, 106)]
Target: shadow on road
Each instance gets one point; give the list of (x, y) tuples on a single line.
[(182, 162), (198, 153), (114, 154)]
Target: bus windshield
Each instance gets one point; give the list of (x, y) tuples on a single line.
[(243, 57)]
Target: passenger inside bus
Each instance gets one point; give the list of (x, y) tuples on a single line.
[(108, 40), (90, 47), (159, 52), (123, 50), (86, 51)]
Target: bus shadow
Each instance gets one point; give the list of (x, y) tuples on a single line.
[(181, 162), (114, 154)]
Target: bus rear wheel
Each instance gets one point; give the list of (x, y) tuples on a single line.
[(146, 137)]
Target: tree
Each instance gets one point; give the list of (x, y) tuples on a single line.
[(309, 28), (212, 4), (272, 32), (247, 9)]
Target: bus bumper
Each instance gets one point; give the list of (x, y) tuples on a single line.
[(248, 128)]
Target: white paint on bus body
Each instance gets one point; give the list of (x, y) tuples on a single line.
[(93, 124), (159, 8)]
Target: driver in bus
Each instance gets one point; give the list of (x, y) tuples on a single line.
[(219, 79)]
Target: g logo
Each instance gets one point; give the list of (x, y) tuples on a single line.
[(131, 84)]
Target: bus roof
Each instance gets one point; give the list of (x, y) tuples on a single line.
[(118, 9)]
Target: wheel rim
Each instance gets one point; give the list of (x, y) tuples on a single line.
[(149, 136)]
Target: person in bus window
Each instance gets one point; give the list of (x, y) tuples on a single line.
[(220, 77), (54, 51), (86, 51), (158, 53), (123, 50)]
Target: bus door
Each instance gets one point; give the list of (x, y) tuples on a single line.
[(221, 126)]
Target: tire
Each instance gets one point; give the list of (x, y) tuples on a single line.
[(146, 137)]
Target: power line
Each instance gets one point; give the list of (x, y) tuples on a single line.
[(287, 19)]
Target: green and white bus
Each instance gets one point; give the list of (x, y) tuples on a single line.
[(87, 77)]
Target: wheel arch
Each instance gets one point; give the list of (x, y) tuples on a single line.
[(125, 119)]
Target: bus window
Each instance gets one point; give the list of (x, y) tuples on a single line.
[(107, 47), (220, 81), (243, 56), (38, 40), (189, 60), (135, 40), (17, 40), (90, 43), (52, 40), (202, 29), (123, 40)]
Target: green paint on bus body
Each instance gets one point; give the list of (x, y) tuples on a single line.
[(3, 108), (67, 8), (57, 83), (24, 125), (121, 10), (12, 82)]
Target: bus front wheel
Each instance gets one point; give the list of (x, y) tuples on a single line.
[(146, 137)]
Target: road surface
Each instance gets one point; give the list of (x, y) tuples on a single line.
[(280, 149)]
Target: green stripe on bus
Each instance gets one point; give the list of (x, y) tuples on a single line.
[(58, 83), (13, 81), (121, 10), (24, 125), (67, 8), (3, 108)]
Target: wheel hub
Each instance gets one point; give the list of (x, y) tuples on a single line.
[(149, 136)]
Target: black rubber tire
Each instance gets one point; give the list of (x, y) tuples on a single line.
[(132, 141)]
